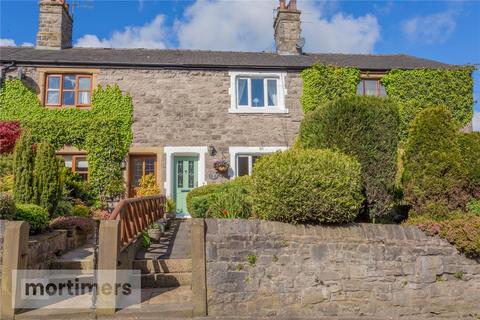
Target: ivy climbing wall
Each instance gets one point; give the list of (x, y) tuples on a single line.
[(104, 131)]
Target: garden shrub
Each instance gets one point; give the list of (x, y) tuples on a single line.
[(433, 177), (198, 192), (7, 206), (74, 187), (64, 208), (147, 186), (6, 183), (6, 164), (474, 206), (9, 133), (307, 186), (462, 231), (322, 83), (232, 200), (226, 200), (364, 127), (470, 151), (47, 186), (23, 169), (81, 211), (82, 223), (35, 215)]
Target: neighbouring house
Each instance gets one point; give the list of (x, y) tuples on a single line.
[(191, 108)]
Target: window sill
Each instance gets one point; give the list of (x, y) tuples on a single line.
[(257, 111)]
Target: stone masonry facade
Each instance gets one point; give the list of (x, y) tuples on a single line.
[(190, 108), (261, 268)]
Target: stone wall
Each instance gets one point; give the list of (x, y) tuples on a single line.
[(190, 108), (260, 268)]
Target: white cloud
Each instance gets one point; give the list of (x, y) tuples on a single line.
[(27, 44), (151, 35), (433, 28), (248, 26), (245, 26), (476, 121), (227, 25), (7, 42)]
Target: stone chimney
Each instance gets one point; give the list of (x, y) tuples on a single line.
[(287, 29), (54, 25)]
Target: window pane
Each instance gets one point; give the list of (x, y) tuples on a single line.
[(137, 171), (81, 164), (258, 99), (53, 82), (180, 174), (68, 161), (53, 97), (83, 98), (272, 92), (149, 166), (370, 87), (69, 82), (383, 93), (242, 92), (69, 98), (360, 88), (84, 84), (191, 178), (242, 166)]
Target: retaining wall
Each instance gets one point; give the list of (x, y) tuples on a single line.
[(260, 268)]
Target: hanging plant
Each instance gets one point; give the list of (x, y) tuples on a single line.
[(221, 166)]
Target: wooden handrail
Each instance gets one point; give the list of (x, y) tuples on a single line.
[(136, 214)]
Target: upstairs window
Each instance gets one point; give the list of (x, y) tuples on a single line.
[(257, 92), (371, 87), (78, 164), (68, 90)]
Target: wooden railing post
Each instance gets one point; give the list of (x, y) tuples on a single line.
[(15, 247), (108, 256), (199, 268)]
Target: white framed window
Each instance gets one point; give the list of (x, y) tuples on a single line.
[(242, 159), (257, 92)]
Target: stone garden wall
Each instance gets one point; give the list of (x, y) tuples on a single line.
[(260, 268)]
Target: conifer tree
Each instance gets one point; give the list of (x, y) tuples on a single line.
[(23, 168), (46, 176)]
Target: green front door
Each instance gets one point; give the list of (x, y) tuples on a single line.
[(185, 179)]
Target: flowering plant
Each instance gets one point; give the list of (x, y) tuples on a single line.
[(221, 165), (85, 224)]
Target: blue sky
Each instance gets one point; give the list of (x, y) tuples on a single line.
[(448, 31)]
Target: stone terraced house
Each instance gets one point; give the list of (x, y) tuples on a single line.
[(190, 107)]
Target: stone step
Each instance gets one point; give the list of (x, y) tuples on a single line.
[(78, 259), (163, 265), (177, 310), (85, 264), (166, 280)]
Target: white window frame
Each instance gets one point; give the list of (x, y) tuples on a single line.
[(249, 151), (281, 92)]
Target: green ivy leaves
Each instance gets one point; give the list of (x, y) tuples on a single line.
[(105, 131)]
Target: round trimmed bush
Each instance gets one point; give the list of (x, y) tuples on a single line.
[(198, 207), (433, 177), (307, 186), (366, 128), (81, 211), (232, 200), (35, 215)]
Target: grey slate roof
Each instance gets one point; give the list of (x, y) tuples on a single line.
[(206, 59)]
